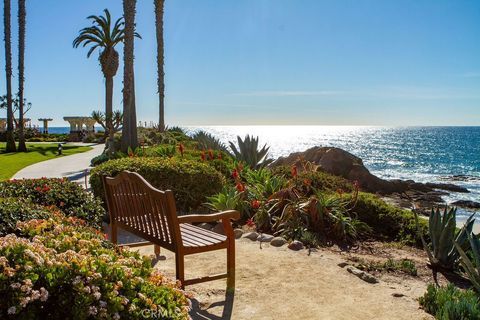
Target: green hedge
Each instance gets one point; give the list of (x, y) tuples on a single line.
[(191, 181), (61, 269), (388, 223), (13, 210), (67, 196)]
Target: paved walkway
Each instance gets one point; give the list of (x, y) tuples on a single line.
[(73, 167)]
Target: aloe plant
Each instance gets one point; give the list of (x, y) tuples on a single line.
[(472, 267), (249, 152), (227, 199), (443, 253)]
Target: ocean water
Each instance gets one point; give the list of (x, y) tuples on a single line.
[(423, 154)]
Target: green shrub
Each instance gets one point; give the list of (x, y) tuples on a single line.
[(67, 196), (307, 181), (12, 210), (191, 181), (387, 222), (450, 303), (68, 271)]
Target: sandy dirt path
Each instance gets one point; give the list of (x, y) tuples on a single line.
[(277, 283)]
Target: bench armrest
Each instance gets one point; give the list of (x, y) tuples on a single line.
[(224, 215)]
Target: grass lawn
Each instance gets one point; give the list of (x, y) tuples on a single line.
[(10, 163)]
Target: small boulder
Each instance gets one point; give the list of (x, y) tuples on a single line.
[(219, 229), (295, 245), (362, 275), (278, 242), (238, 233), (265, 237), (342, 264), (251, 235), (397, 295)]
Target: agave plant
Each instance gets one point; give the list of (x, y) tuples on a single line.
[(249, 152), (206, 141), (264, 183), (472, 267), (228, 199), (443, 253)]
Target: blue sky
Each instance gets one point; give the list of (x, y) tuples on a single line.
[(269, 62)]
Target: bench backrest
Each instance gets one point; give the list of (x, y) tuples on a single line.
[(142, 209)]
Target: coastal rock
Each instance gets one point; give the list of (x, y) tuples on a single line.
[(344, 164), (447, 186), (251, 235), (218, 228), (278, 242), (295, 245), (362, 275), (466, 204), (265, 237), (238, 233)]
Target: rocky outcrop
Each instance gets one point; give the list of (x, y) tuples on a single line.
[(468, 204), (342, 163)]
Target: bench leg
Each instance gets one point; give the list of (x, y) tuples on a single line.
[(113, 232), (231, 265), (156, 248), (180, 268)]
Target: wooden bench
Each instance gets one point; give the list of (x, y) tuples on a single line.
[(136, 206)]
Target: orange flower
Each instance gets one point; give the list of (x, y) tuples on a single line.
[(240, 187), (210, 154), (235, 174), (202, 156), (294, 171), (307, 182), (255, 204), (219, 156), (181, 148), (250, 223)]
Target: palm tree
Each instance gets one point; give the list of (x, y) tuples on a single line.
[(22, 13), (10, 147), (159, 7), (129, 131), (104, 37)]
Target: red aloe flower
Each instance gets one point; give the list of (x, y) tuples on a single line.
[(255, 204), (202, 156), (38, 189), (210, 154), (235, 174), (294, 171), (250, 223), (219, 156), (307, 182), (181, 148), (240, 187)]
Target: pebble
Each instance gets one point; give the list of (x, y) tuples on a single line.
[(265, 237), (295, 245), (251, 235), (238, 233)]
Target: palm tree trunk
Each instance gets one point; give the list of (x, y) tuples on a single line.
[(10, 147), (109, 113), (22, 13), (129, 132), (159, 9)]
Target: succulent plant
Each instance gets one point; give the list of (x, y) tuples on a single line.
[(443, 253), (471, 267), (207, 141), (249, 152)]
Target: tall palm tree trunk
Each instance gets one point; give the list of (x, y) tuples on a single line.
[(159, 9), (109, 112), (22, 13), (10, 147), (129, 132)]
